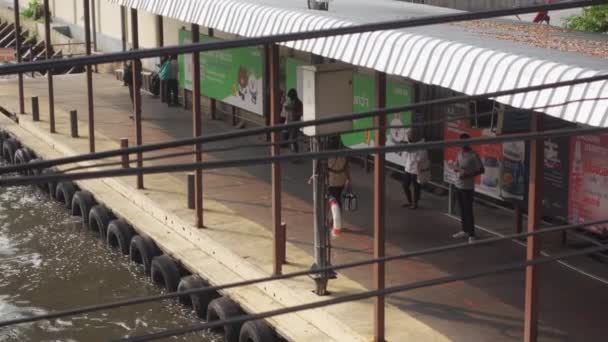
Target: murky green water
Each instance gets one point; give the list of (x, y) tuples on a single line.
[(48, 263)]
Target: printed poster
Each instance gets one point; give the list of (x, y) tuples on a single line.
[(364, 99), (556, 178), (588, 195), (233, 76)]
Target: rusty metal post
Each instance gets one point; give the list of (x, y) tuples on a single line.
[(89, 69), (137, 95), (35, 109), (379, 214), (160, 34), (18, 53), (123, 33), (124, 143), (94, 25), (49, 73), (74, 124), (266, 92), (212, 102), (279, 234), (535, 207), (196, 126)]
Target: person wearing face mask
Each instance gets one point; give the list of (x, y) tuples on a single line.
[(468, 166)]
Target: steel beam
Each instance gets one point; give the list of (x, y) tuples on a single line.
[(89, 71), (137, 95), (18, 53), (275, 113), (379, 214), (48, 46), (197, 127), (535, 197)]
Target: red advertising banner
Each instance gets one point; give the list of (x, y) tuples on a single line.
[(588, 195), (491, 156), (7, 55)]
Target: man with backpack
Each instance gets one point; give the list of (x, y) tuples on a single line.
[(468, 165)]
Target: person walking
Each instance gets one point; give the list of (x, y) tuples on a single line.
[(294, 110), (413, 162), (172, 83), (468, 165), (127, 77), (339, 173), (163, 76)]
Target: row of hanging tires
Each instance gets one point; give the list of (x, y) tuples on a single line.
[(162, 269)]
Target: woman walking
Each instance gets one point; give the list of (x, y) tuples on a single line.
[(339, 173), (415, 163)]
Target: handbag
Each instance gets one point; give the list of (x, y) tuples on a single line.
[(349, 200), (424, 171)]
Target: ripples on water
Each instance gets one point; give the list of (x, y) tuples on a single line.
[(48, 263)]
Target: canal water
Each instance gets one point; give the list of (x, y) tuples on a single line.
[(48, 263)]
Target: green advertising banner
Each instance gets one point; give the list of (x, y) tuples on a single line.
[(398, 94), (233, 76), (291, 72)]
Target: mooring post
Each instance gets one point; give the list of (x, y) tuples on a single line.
[(190, 191), (379, 214), (279, 237), (197, 126), (137, 95), (18, 53), (124, 143), (49, 73), (89, 70), (535, 208), (35, 109), (74, 124)]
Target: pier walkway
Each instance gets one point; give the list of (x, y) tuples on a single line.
[(236, 244)]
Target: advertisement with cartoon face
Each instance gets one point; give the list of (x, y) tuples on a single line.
[(233, 76)]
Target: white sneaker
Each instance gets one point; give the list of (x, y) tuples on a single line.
[(472, 239), (460, 235)]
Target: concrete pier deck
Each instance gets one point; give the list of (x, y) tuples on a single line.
[(237, 243)]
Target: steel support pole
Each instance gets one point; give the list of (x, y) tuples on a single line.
[(49, 73), (379, 215), (137, 95), (89, 70), (94, 25), (275, 112), (266, 92), (196, 127), (535, 197), (160, 34), (212, 102), (18, 53)]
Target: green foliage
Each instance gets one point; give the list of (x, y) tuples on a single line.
[(34, 10), (593, 19)]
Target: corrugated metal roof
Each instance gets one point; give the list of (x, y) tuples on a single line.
[(467, 67)]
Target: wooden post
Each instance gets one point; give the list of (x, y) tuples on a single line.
[(137, 95), (212, 102), (89, 70), (279, 234), (18, 53), (124, 143), (49, 73), (196, 126), (74, 124), (379, 214), (535, 196), (35, 109)]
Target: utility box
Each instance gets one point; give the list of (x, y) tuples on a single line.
[(327, 90)]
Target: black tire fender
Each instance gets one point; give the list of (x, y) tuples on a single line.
[(82, 202), (49, 187), (142, 250), (99, 219), (257, 331), (165, 272), (22, 156), (36, 172), (225, 308), (9, 147), (119, 235), (65, 192), (197, 301)]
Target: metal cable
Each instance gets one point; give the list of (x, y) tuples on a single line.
[(294, 125), (428, 251), (363, 295), (281, 38), (231, 163)]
